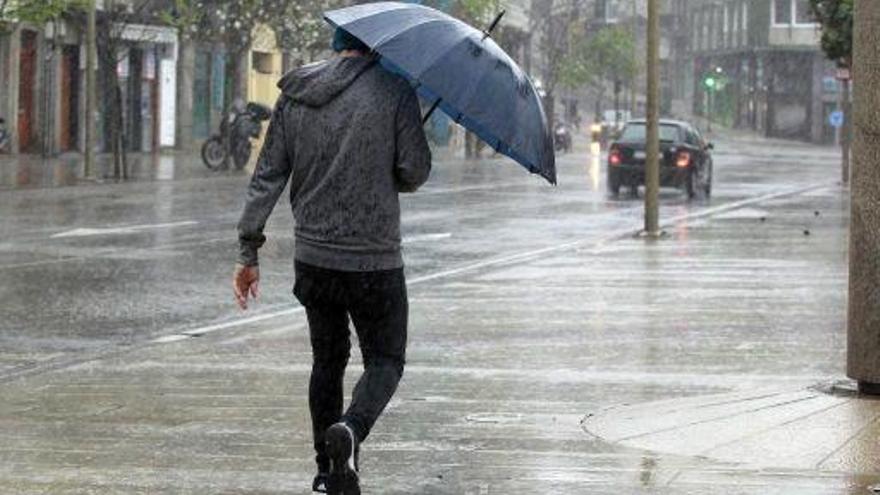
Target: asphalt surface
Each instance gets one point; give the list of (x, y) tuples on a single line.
[(127, 368)]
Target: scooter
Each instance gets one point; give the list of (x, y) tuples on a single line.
[(239, 126), (562, 138)]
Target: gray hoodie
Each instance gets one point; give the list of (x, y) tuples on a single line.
[(349, 137)]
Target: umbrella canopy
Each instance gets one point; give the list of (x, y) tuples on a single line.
[(463, 71)]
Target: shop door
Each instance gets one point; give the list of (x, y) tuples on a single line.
[(27, 80), (134, 97)]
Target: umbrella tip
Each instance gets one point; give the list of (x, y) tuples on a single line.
[(488, 32)]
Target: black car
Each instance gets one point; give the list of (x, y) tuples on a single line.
[(685, 161)]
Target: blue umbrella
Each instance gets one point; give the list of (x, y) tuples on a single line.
[(462, 71)]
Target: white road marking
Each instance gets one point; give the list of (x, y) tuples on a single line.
[(198, 331), (170, 338), (426, 237), (130, 229)]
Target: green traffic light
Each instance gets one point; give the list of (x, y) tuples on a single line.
[(709, 82)]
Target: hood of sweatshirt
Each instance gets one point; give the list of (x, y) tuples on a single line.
[(317, 84)]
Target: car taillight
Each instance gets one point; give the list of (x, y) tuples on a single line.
[(614, 157), (683, 159)]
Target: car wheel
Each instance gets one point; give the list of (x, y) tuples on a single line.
[(707, 186), (690, 184), (613, 182)]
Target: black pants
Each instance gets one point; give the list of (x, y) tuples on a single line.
[(377, 304)]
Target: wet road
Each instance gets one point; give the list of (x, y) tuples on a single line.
[(124, 358), (92, 266)]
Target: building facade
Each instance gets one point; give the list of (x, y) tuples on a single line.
[(753, 64), (42, 86)]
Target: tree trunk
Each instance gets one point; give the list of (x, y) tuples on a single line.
[(114, 119), (863, 330), (186, 76), (91, 93), (550, 109), (121, 141), (236, 74)]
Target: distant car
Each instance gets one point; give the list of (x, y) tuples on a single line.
[(685, 158)]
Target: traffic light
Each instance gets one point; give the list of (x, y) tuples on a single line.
[(710, 82)]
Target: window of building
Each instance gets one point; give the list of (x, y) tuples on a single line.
[(707, 24), (745, 24), (782, 11), (262, 62), (726, 20), (737, 24), (802, 12), (608, 10), (792, 13)]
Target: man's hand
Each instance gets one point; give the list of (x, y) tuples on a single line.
[(245, 280)]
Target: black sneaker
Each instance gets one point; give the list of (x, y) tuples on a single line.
[(342, 448), (320, 483)]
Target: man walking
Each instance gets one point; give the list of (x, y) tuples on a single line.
[(348, 135)]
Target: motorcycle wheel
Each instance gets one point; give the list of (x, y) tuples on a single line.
[(214, 153)]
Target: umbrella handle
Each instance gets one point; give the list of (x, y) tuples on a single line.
[(492, 26), (433, 107)]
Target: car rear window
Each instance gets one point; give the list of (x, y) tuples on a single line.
[(635, 133)]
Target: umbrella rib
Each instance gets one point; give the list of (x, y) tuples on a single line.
[(389, 38), (368, 16)]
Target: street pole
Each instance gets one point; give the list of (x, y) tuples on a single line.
[(863, 318), (652, 159), (709, 93), (91, 52), (617, 88)]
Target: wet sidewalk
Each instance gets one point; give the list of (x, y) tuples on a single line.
[(605, 365), (29, 171), (32, 171)]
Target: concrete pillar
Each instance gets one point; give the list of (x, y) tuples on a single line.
[(863, 329)]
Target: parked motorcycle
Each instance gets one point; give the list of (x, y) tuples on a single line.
[(4, 135), (562, 138), (239, 126)]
